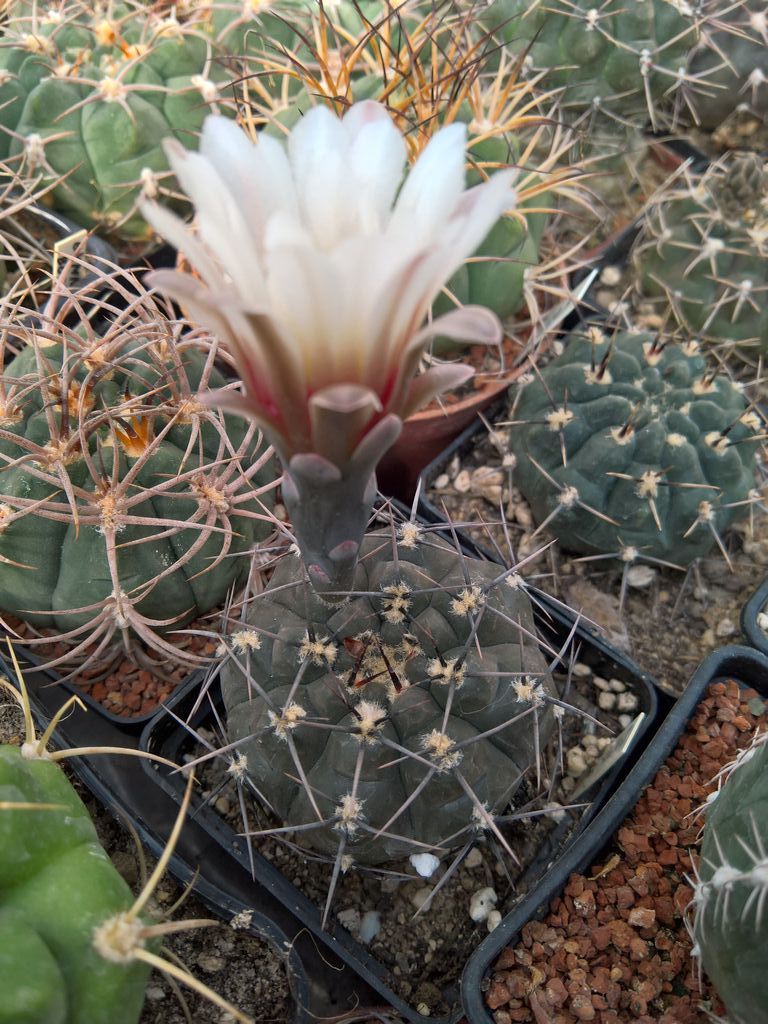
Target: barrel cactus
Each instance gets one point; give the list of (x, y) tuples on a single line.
[(731, 895), (702, 255), (629, 445), (730, 65), (399, 720), (126, 507), (89, 91), (614, 62)]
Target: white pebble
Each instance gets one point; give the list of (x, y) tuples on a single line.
[(442, 482), (473, 859), (425, 863), (581, 671), (493, 920), (463, 481), (625, 720), (350, 919), (482, 903), (610, 276), (641, 576), (606, 701), (627, 702), (762, 621), (575, 762), (601, 684), (370, 926), (726, 627), (617, 686)]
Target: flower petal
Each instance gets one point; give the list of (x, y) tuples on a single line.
[(427, 385), (433, 186)]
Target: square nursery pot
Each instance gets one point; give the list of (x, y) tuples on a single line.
[(171, 735), (756, 634), (749, 669), (120, 784)]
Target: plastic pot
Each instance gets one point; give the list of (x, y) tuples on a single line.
[(754, 633), (740, 663), (166, 735)]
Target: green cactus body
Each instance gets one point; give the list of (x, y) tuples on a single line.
[(56, 886), (88, 96), (730, 66), (731, 897), (611, 57), (154, 464), (388, 699), (702, 251), (625, 446)]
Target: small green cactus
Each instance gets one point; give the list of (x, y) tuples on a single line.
[(702, 254), (89, 92), (399, 720), (126, 507), (630, 446), (730, 903), (613, 61)]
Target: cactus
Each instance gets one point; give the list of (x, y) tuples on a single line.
[(630, 446), (614, 62), (702, 252), (730, 925), (89, 92), (74, 947), (400, 720), (730, 64), (127, 507)]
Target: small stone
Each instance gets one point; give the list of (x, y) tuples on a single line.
[(493, 920), (610, 276), (642, 917), (154, 993), (726, 627), (487, 482), (627, 702), (441, 482), (581, 1007), (625, 721), (223, 806), (370, 926), (522, 516), (425, 863), (420, 897), (762, 621), (210, 963), (617, 686), (423, 1009), (601, 684), (641, 576), (350, 919), (473, 859), (575, 762), (482, 903), (606, 701), (581, 671), (463, 481)]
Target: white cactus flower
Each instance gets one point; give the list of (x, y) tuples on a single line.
[(320, 263)]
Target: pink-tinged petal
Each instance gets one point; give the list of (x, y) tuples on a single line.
[(174, 230), (475, 325), (434, 382), (433, 186), (339, 415)]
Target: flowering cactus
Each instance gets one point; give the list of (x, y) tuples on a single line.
[(318, 272)]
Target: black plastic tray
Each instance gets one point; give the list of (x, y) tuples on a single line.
[(319, 985), (756, 636), (167, 737), (741, 663)]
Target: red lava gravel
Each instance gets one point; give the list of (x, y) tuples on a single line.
[(614, 946)]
